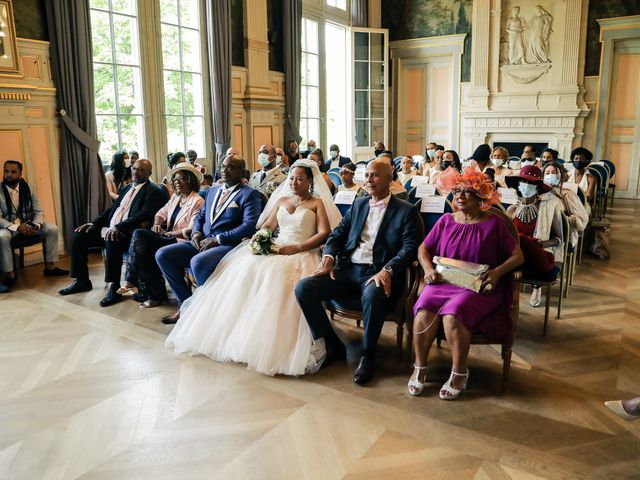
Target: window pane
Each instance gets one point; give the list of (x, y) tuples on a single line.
[(362, 45), (175, 137), (104, 4), (377, 130), (341, 4), (129, 90), (362, 104), (125, 30), (377, 76), (193, 101), (189, 13), (303, 102), (124, 6), (377, 44), (132, 132), (104, 89), (362, 133), (170, 47), (377, 105), (172, 93), (101, 37), (362, 75), (336, 85), (169, 11), (108, 136), (311, 33), (313, 102), (313, 130), (195, 134), (191, 60)]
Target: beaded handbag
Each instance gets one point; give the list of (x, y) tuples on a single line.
[(463, 274)]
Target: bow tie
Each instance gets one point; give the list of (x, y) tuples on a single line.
[(378, 204)]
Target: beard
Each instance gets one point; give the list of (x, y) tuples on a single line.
[(11, 183)]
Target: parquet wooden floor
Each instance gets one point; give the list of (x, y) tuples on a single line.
[(92, 393)]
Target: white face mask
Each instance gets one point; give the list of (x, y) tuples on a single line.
[(263, 160), (278, 159), (514, 164), (552, 179), (431, 153), (334, 153), (527, 190), (498, 162), (527, 161)]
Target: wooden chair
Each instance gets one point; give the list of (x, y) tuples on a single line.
[(549, 279), (19, 243), (351, 308), (476, 338)]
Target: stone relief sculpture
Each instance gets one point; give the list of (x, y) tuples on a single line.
[(516, 26), (529, 42), (526, 56), (538, 47)]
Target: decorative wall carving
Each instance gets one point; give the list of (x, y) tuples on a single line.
[(528, 42)]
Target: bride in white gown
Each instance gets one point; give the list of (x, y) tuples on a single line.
[(246, 311)]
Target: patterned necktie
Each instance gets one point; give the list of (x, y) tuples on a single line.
[(223, 196), (125, 205)]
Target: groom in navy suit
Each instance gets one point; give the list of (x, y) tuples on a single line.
[(229, 214), (364, 257)]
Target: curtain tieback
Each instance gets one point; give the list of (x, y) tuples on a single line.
[(82, 136)]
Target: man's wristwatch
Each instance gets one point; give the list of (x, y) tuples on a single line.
[(388, 269)]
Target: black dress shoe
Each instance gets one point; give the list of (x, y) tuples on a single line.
[(365, 370), (9, 282), (171, 319), (3, 288), (334, 353), (56, 272), (112, 297), (77, 286)]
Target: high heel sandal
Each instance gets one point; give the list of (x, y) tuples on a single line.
[(447, 392), (415, 387)]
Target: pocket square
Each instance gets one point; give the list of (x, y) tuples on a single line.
[(233, 205)]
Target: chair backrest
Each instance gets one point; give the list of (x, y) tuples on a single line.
[(343, 208), (612, 168), (335, 178), (396, 161), (407, 184), (448, 204), (566, 234), (500, 206), (334, 170), (362, 163), (581, 196)]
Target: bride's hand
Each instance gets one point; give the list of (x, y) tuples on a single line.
[(290, 249)]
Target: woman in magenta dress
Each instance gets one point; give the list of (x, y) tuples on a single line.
[(470, 234)]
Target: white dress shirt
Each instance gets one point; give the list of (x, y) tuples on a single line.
[(336, 162), (14, 195), (122, 213), (363, 254)]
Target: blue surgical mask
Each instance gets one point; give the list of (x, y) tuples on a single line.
[(552, 179), (527, 189)]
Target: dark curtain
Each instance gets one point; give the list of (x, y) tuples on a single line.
[(219, 46), (83, 188), (359, 13), (292, 19)]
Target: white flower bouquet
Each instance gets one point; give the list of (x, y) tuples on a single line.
[(262, 242)]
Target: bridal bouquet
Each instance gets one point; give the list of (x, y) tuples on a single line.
[(262, 242)]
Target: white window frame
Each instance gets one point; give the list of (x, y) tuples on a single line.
[(154, 145)]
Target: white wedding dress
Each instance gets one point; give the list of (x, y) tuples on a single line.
[(247, 311)]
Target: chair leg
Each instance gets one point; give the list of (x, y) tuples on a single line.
[(399, 340), (562, 270), (546, 310), (559, 301), (409, 346), (358, 323), (21, 263)]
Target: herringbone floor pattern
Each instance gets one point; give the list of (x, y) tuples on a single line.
[(91, 393)]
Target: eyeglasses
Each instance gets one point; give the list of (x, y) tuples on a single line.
[(467, 192)]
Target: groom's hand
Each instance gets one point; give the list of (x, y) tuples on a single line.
[(208, 243), (382, 278), (195, 240), (325, 267)]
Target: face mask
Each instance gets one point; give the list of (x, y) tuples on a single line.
[(311, 148), (579, 165), (431, 153), (527, 161), (514, 164), (278, 159), (377, 152), (552, 179), (498, 162), (334, 153), (527, 190), (445, 164), (263, 160)]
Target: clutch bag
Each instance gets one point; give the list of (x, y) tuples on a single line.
[(460, 273)]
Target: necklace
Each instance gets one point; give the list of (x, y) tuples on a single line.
[(297, 202), (526, 213), (465, 221)]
